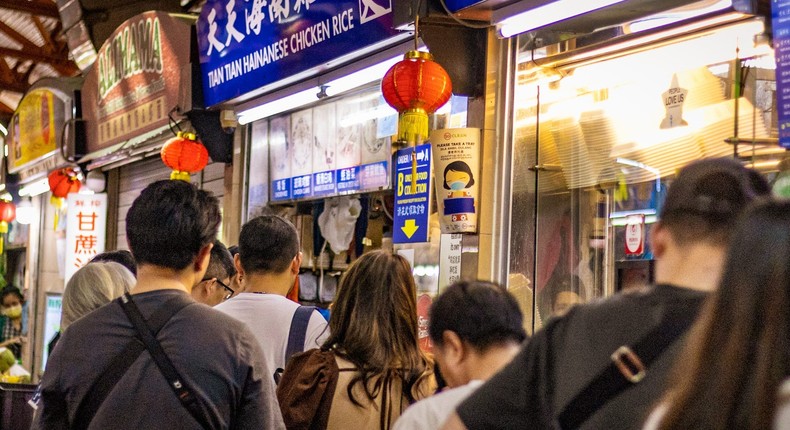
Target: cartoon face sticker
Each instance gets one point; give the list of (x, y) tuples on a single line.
[(457, 176)]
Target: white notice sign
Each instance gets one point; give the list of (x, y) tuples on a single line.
[(86, 227), (449, 260)]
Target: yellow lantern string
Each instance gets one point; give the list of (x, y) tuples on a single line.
[(58, 203), (180, 175), (3, 231)]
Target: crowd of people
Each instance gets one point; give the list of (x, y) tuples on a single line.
[(183, 332)]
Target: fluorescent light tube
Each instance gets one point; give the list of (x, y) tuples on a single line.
[(35, 188), (549, 14)]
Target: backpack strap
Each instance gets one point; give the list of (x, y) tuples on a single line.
[(298, 331), (628, 366), (177, 383), (120, 364)]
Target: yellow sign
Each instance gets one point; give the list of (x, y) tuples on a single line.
[(35, 128)]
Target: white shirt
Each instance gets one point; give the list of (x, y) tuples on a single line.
[(431, 413), (269, 318)]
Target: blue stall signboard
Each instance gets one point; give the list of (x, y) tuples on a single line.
[(302, 186), (247, 44), (412, 199), (324, 183), (281, 189), (348, 179), (780, 9)]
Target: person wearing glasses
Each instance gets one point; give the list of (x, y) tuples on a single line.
[(268, 262), (215, 288)]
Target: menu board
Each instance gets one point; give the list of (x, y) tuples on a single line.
[(341, 147)]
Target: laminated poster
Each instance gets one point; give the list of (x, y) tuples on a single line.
[(456, 162)]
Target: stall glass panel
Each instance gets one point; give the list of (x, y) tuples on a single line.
[(598, 141)]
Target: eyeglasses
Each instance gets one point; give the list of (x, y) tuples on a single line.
[(229, 290)]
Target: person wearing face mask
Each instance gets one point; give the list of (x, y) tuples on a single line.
[(457, 177), (13, 324)]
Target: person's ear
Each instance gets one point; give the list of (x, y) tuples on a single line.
[(239, 269), (453, 347), (202, 259), (296, 263), (659, 239)]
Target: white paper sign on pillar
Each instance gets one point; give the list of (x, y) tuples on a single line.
[(86, 229), (449, 260)]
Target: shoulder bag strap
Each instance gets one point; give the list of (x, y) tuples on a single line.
[(296, 336), (184, 394), (121, 363), (627, 367), (298, 332)]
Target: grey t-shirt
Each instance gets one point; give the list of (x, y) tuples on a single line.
[(216, 355), (526, 394)]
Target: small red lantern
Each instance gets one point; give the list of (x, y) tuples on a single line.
[(7, 214), (185, 155), (62, 182), (416, 87)]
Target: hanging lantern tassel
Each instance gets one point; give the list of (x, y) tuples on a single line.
[(185, 155), (57, 202), (413, 125)]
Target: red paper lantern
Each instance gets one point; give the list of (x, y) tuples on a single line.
[(62, 182), (416, 86), (185, 155), (7, 214)]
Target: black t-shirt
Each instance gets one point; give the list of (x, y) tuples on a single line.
[(525, 393)]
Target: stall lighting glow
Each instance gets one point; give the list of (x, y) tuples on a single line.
[(549, 14), (764, 164), (626, 214), (3, 130), (25, 211), (280, 105), (35, 188), (677, 15), (360, 77), (331, 88), (621, 222)]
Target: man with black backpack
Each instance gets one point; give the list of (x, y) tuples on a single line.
[(268, 262), (605, 364), (156, 359)]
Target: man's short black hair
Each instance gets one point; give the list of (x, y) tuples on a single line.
[(121, 256), (169, 222), (220, 264), (481, 313), (268, 244)]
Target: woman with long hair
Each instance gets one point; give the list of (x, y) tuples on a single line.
[(371, 362), (735, 371)]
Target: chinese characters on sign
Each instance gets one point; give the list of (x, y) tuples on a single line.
[(86, 224), (247, 44)]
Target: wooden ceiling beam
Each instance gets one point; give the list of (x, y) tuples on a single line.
[(13, 85), (13, 34), (5, 71), (33, 7), (48, 39), (38, 57), (5, 109)]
